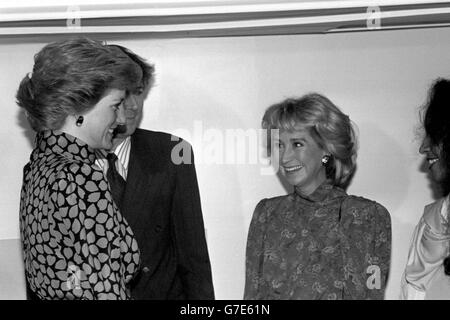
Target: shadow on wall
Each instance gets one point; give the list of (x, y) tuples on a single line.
[(383, 165), (15, 276), (436, 191), (12, 279), (402, 236), (27, 131)]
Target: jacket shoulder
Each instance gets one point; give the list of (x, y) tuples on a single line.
[(364, 204), (144, 133), (267, 205), (162, 141), (436, 205), (162, 137), (60, 172), (275, 200), (435, 216)]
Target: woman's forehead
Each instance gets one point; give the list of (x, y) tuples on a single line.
[(297, 132), (297, 129)]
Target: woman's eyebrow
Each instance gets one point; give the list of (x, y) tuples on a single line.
[(299, 139)]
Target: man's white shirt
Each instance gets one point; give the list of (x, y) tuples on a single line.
[(122, 152)]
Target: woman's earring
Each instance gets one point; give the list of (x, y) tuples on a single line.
[(79, 121), (325, 159)]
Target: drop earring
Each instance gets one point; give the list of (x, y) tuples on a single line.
[(325, 159), (79, 121)]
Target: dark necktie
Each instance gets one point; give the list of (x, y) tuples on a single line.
[(116, 181)]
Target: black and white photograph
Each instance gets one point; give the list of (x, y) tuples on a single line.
[(230, 150)]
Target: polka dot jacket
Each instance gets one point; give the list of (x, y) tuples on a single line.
[(76, 243)]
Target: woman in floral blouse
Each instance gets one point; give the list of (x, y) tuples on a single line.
[(76, 243), (318, 242)]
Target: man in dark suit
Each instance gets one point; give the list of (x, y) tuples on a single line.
[(160, 200)]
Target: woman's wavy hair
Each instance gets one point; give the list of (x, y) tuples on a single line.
[(331, 129), (436, 122), (70, 77)]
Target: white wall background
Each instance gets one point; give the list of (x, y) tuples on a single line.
[(379, 78)]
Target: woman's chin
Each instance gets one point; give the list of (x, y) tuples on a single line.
[(107, 141), (437, 176), (293, 181), (106, 144)]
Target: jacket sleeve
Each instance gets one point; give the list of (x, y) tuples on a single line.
[(83, 264), (255, 254), (378, 258), (193, 259)]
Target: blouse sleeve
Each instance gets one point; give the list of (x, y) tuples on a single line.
[(377, 268), (410, 290), (255, 253), (428, 248), (84, 252)]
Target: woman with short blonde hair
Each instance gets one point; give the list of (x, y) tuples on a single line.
[(317, 242)]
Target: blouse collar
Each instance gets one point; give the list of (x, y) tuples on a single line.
[(55, 141), (325, 192)]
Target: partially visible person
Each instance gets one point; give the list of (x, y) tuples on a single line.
[(160, 200), (76, 243), (427, 272), (318, 242)]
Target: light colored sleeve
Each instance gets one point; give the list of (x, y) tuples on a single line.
[(408, 291), (428, 248)]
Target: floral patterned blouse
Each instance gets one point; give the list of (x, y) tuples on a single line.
[(327, 245), (76, 243)]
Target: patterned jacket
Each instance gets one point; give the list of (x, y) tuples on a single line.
[(76, 243)]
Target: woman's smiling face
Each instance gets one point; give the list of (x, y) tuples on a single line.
[(100, 122), (433, 156), (300, 159)]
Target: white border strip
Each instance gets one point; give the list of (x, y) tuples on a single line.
[(65, 10), (228, 25)]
